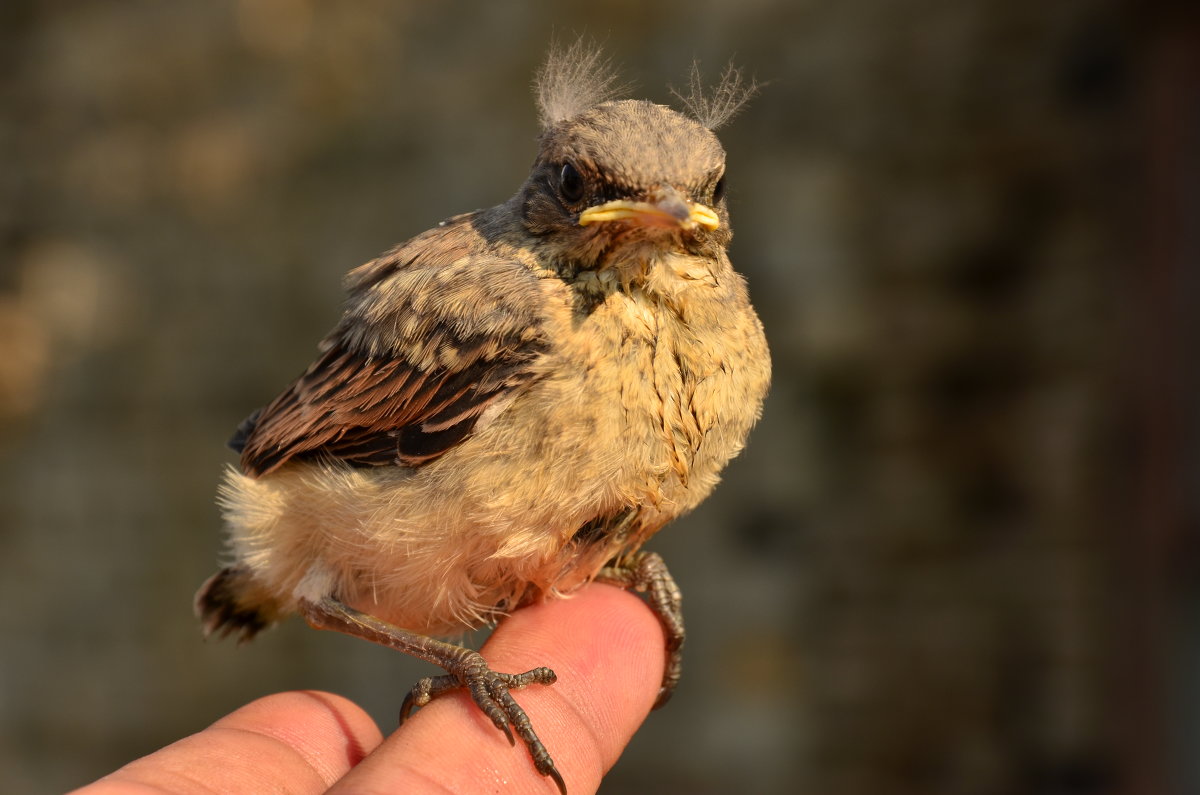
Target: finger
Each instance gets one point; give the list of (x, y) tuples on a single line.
[(298, 742), (606, 647)]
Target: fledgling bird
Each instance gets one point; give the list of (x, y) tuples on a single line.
[(512, 402)]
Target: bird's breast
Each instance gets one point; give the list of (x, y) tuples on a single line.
[(673, 381)]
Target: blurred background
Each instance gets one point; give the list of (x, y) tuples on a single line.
[(959, 553)]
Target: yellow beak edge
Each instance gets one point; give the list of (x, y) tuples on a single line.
[(649, 214)]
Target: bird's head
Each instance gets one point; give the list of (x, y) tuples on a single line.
[(622, 183), (629, 172)]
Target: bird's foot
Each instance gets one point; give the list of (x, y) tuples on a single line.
[(464, 669), (646, 572), (490, 692)]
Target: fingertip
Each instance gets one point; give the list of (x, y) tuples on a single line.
[(606, 647)]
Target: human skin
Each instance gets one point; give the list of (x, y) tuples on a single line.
[(604, 644)]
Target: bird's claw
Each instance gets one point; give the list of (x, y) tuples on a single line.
[(490, 692)]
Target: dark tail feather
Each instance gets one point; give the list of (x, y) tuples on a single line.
[(231, 603), (237, 443)]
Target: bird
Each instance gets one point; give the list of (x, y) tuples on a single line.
[(512, 402)]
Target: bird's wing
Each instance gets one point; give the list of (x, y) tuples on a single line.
[(429, 341)]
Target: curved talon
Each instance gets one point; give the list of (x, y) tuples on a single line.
[(481, 693), (406, 708)]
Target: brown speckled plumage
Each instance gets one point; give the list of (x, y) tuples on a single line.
[(511, 401)]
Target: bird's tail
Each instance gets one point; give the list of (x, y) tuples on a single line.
[(231, 602)]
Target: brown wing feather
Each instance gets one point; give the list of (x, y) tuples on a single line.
[(403, 379), (370, 411)]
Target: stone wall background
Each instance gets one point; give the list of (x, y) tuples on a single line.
[(961, 541)]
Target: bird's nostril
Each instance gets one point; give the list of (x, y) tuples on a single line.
[(675, 207), (672, 203)]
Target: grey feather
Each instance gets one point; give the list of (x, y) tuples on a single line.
[(715, 108), (572, 80)]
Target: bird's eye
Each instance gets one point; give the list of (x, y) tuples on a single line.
[(570, 183), (719, 190)]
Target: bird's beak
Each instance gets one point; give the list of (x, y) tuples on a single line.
[(667, 209)]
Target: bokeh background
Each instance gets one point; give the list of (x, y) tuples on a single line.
[(959, 553)]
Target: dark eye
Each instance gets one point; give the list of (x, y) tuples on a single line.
[(570, 183), (719, 190)]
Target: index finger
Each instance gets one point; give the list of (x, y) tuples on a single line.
[(299, 742)]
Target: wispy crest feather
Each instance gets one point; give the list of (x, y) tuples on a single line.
[(716, 107), (574, 79)]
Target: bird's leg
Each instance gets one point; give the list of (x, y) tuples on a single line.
[(646, 572), (465, 669)]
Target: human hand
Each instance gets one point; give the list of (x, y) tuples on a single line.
[(605, 646)]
